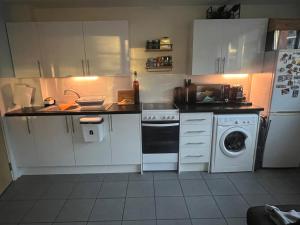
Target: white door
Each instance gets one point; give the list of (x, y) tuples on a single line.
[(62, 48), (286, 97), (25, 49), (207, 45), (243, 45), (91, 153), (21, 141), (282, 145), (53, 140), (106, 46), (5, 175), (126, 138)]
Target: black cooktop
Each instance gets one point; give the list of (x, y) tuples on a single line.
[(159, 106)]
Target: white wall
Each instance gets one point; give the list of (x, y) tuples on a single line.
[(144, 23), (6, 69)]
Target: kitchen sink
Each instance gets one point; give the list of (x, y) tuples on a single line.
[(54, 108)]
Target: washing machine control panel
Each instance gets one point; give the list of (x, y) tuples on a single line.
[(231, 120)]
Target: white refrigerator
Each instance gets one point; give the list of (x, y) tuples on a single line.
[(279, 93)]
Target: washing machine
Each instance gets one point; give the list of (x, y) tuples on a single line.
[(234, 142)]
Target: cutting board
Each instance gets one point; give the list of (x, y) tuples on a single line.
[(126, 97)]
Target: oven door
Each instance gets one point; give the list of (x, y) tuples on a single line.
[(160, 137)]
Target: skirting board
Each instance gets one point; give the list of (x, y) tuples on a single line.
[(193, 167), (79, 170)]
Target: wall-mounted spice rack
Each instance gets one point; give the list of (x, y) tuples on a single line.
[(161, 63)]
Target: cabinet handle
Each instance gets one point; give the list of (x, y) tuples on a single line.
[(194, 132), (39, 67), (88, 66), (223, 64), (72, 122), (195, 143), (67, 124), (111, 124), (217, 65), (28, 125), (83, 69), (193, 120), (189, 156)]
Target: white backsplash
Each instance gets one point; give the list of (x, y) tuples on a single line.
[(153, 87)]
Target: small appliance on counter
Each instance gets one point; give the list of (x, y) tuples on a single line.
[(23, 95), (49, 101), (212, 93), (236, 94)]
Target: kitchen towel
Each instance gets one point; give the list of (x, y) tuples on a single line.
[(282, 218)]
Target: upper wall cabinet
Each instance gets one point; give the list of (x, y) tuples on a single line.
[(25, 49), (62, 49), (106, 46), (228, 46), (59, 49)]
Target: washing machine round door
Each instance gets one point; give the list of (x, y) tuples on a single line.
[(233, 142)]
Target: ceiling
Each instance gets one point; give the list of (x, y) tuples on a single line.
[(120, 3)]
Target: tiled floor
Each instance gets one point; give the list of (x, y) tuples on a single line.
[(160, 198)]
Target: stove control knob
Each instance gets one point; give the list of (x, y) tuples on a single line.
[(236, 122), (153, 117), (173, 117), (163, 118), (145, 117), (168, 117), (149, 117)]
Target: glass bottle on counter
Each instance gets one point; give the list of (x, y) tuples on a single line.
[(136, 89)]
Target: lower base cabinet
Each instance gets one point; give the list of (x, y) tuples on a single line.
[(21, 141), (125, 137), (54, 141), (195, 138)]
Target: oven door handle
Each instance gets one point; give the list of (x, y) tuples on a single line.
[(160, 125)]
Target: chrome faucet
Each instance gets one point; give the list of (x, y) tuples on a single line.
[(73, 91)]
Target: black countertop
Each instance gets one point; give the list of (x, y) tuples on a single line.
[(133, 109), (113, 109), (220, 108)]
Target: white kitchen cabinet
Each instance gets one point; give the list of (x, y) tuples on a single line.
[(21, 141), (53, 140), (282, 144), (207, 46), (106, 47), (228, 46), (25, 49), (125, 133), (195, 137), (91, 153), (62, 49)]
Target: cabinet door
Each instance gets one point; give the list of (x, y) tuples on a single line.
[(282, 144), (91, 153), (207, 44), (106, 46), (243, 45), (21, 141), (126, 139), (62, 48), (24, 46), (53, 140)]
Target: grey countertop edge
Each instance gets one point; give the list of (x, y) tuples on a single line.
[(114, 109), (137, 109)]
